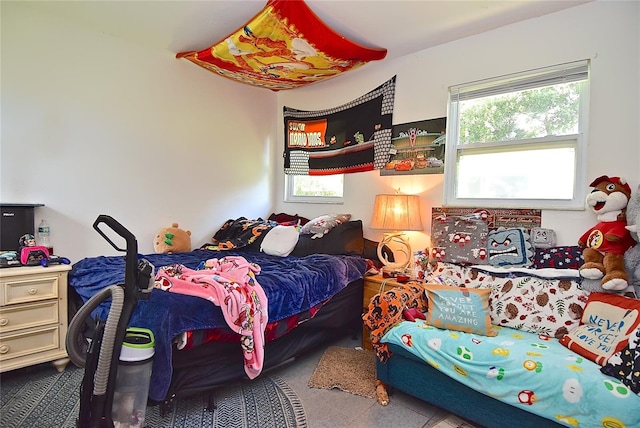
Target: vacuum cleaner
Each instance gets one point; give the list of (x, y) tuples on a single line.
[(100, 355)]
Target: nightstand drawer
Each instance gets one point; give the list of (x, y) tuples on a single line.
[(371, 291), (29, 342), (376, 285), (30, 315), (23, 290)]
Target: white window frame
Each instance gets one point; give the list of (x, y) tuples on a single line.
[(289, 195), (570, 72)]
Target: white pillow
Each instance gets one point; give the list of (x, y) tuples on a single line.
[(280, 241)]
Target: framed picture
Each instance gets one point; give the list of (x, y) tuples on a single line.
[(417, 148)]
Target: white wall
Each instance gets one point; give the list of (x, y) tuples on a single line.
[(95, 125), (604, 31)]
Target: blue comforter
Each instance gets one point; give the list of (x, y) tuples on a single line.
[(292, 285)]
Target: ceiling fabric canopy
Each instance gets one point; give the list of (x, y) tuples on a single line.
[(284, 46)]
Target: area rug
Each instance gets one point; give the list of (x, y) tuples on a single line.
[(347, 369), (40, 397)]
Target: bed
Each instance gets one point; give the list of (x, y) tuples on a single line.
[(313, 297)]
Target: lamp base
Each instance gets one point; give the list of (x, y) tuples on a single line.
[(399, 244)]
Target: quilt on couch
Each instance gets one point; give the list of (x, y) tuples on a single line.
[(523, 369)]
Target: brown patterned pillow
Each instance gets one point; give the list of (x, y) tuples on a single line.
[(550, 306), (546, 306)]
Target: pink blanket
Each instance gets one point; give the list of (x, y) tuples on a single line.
[(229, 283)]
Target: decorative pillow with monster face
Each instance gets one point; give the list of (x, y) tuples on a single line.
[(509, 247)]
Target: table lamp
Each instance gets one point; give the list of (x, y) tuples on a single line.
[(398, 213)]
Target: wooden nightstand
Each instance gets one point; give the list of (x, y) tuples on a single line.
[(33, 316), (373, 284)]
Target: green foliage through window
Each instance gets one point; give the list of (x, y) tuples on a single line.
[(505, 134), (521, 115)]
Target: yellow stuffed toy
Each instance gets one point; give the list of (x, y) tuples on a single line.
[(172, 240)]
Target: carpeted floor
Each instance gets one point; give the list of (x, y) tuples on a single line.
[(348, 369), (40, 397)]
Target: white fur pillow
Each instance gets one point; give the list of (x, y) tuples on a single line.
[(280, 241)]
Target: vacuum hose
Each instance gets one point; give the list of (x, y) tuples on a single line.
[(101, 378)]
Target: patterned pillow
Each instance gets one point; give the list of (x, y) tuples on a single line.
[(568, 257), (546, 306), (455, 275), (460, 309), (509, 247), (625, 365), (606, 324), (320, 226), (551, 306), (459, 239)]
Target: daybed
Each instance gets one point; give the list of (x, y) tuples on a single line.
[(495, 345), (313, 297)]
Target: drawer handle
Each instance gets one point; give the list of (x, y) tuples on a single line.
[(33, 291), (4, 321), (4, 349)]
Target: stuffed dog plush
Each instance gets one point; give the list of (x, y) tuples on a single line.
[(604, 244)]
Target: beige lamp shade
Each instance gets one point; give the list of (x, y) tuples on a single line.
[(396, 212)]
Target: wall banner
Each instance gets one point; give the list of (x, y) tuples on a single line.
[(354, 137)]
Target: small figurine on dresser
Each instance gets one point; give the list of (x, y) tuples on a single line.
[(32, 254)]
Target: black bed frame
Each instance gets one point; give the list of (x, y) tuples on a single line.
[(214, 364)]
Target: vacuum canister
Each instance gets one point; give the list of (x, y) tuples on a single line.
[(132, 381)]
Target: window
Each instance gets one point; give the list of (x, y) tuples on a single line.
[(314, 188), (519, 140)]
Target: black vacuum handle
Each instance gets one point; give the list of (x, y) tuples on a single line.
[(119, 229), (131, 260)]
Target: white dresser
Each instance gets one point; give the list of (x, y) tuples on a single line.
[(33, 316)]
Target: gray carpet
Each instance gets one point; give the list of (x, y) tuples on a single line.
[(40, 397)]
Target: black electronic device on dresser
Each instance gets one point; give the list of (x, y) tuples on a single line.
[(15, 221)]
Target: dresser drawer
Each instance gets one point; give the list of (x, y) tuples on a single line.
[(29, 315), (31, 289), (29, 342)]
